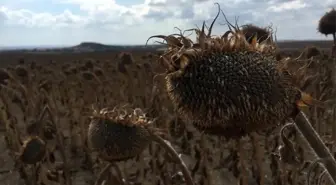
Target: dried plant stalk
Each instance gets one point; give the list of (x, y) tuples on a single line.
[(242, 161), (104, 172), (312, 137), (258, 155), (167, 146)]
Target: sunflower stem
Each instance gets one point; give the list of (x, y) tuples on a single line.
[(316, 143), (167, 146), (121, 177), (101, 175)]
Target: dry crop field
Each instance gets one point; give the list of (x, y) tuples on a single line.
[(47, 102), (69, 85)]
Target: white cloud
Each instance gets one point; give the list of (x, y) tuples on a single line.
[(31, 19), (3, 17), (109, 22), (290, 5)]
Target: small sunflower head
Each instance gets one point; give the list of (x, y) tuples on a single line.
[(98, 71), (126, 58), (4, 76), (327, 23), (118, 134), (89, 76), (33, 150), (21, 71), (89, 64), (251, 31), (311, 51)]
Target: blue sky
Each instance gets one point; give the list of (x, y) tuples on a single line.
[(69, 22)]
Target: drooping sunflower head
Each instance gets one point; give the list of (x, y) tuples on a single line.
[(226, 85), (118, 134), (33, 150)]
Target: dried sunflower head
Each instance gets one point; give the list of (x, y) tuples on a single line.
[(118, 134), (327, 23), (126, 58), (311, 51), (33, 150), (89, 64), (227, 86), (21, 71), (250, 31), (98, 71), (86, 75), (147, 67), (4, 76), (73, 70)]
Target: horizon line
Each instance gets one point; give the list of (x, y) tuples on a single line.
[(56, 45)]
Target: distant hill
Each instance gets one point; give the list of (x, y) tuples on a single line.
[(85, 47), (97, 47), (91, 46)]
